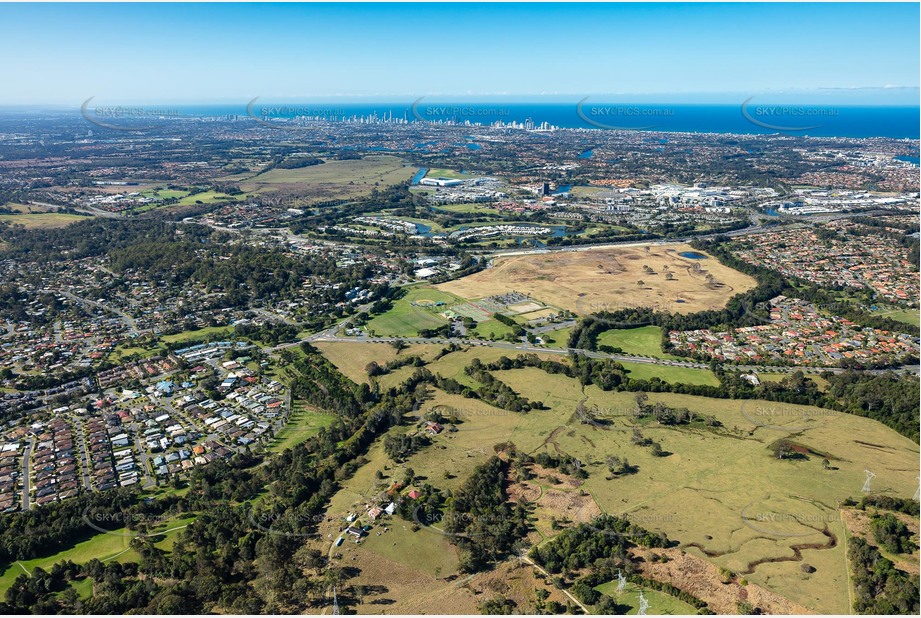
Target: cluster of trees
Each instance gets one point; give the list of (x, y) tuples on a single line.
[(496, 392), (293, 163), (271, 333), (887, 398), (118, 589), (888, 503), (498, 606), (375, 369), (239, 557), (879, 587), (445, 330), (29, 534), (619, 467), (565, 463), (482, 522), (892, 534), (401, 447), (664, 415), (602, 547), (604, 373), (582, 546), (165, 252)]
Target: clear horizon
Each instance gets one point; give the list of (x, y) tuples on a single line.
[(225, 54)]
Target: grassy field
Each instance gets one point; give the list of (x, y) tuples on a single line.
[(558, 339), (673, 375), (164, 194), (642, 341), (84, 587), (44, 220), (103, 546), (212, 332), (445, 173), (584, 191), (609, 279), (352, 358), (730, 481), (821, 382), (660, 604), (491, 329), (909, 316), (208, 197), (481, 208), (124, 350), (332, 179), (719, 490), (303, 423), (409, 315)]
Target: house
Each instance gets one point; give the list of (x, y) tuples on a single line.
[(433, 428), (355, 531), (375, 512), (414, 494)]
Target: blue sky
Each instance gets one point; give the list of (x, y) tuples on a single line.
[(156, 53)]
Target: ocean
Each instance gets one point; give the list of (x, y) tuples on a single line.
[(819, 121)]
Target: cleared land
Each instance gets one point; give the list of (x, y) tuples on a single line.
[(660, 604), (642, 341), (674, 375), (720, 492), (304, 422), (609, 279), (332, 179), (352, 358), (42, 220), (445, 173), (209, 332)]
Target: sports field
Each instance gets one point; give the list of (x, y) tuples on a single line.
[(419, 309), (610, 279)]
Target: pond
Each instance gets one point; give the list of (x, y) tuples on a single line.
[(693, 255)]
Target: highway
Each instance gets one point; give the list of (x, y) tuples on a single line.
[(525, 348)]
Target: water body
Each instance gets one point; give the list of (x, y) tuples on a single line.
[(587, 154), (827, 121), (563, 189), (912, 160), (771, 212), (419, 175), (693, 255)]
